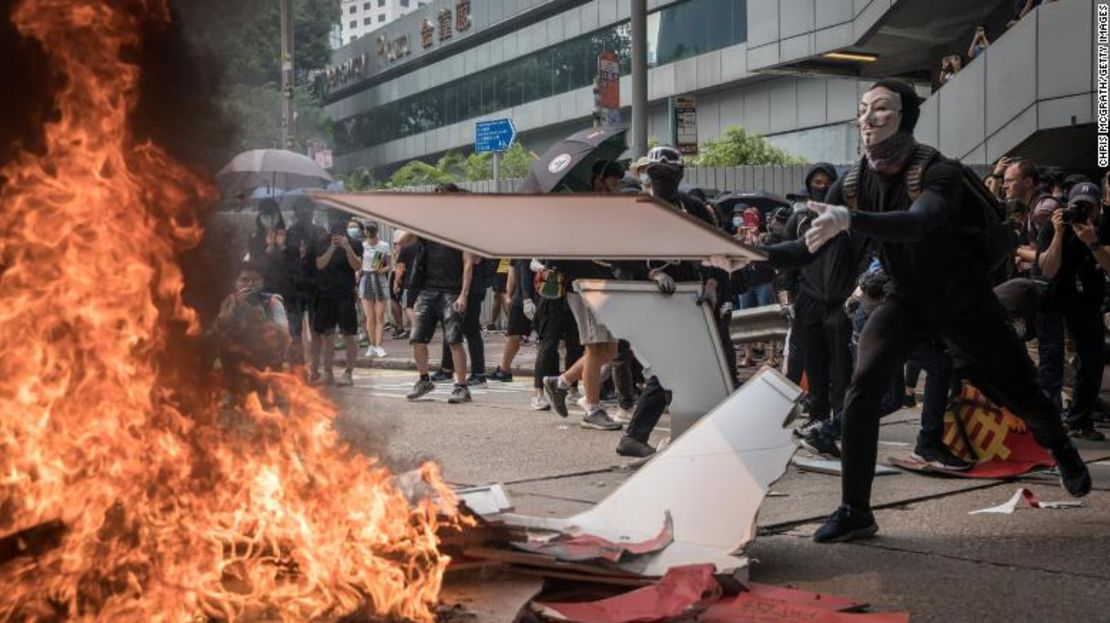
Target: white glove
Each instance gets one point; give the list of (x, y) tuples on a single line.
[(529, 309), (536, 266), (830, 221), (727, 264)]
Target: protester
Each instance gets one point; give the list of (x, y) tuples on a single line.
[(373, 288), (481, 277), (522, 310), (251, 332), (402, 278), (1073, 257), (979, 42), (940, 288), (501, 294), (554, 323), (399, 320), (338, 260), (443, 276), (300, 260)]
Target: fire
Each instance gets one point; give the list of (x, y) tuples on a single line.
[(169, 513)]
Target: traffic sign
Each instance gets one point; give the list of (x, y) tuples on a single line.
[(496, 136)]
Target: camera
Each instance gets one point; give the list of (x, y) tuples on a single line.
[(1076, 213)]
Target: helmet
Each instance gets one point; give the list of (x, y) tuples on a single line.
[(664, 162), (664, 154)]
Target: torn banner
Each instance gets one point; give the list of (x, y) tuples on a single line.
[(975, 429), (1030, 499)]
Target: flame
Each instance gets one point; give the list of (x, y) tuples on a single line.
[(168, 514)]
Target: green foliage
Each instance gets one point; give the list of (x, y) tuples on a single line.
[(735, 147), (454, 167), (419, 173), (479, 167), (516, 162), (358, 180), (452, 164)]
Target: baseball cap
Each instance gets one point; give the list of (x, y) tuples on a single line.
[(1084, 192)]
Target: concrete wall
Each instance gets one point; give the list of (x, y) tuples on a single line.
[(1037, 76), (780, 31)]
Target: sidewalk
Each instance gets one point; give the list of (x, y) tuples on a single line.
[(399, 354)]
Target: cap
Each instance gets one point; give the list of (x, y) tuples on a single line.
[(1084, 192), (637, 167)]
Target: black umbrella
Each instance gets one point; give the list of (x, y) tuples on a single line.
[(567, 166), (764, 201)]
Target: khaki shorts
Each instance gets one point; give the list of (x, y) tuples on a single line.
[(590, 328)]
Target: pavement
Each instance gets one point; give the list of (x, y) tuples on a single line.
[(930, 558)]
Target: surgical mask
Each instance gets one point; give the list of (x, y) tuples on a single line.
[(354, 232), (645, 180), (737, 222)]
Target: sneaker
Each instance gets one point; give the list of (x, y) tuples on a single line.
[(347, 379), (1074, 476), (937, 455), (500, 375), (369, 354), (476, 380), (580, 403), (819, 442), (442, 375), (459, 395), (808, 425), (556, 396), (379, 352), (846, 524), (624, 416), (401, 335), (910, 401), (1087, 432), (490, 328), (574, 395), (421, 388), (634, 448), (539, 403), (598, 419)]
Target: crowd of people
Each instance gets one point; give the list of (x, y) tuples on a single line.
[(902, 263)]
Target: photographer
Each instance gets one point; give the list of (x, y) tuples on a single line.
[(338, 260), (251, 333), (1073, 257)]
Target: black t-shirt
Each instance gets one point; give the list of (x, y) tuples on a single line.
[(1079, 279), (441, 267), (337, 279), (407, 256)]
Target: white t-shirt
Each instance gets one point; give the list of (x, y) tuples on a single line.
[(375, 256)]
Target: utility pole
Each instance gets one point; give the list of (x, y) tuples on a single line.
[(288, 130), (639, 78)]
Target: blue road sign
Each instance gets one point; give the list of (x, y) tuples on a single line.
[(496, 135)]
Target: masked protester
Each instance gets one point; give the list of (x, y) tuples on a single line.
[(298, 250), (251, 332), (940, 288)]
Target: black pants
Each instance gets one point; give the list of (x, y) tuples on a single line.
[(650, 405), (976, 331), (623, 381), (472, 331), (825, 333), (555, 323), (1084, 320), (937, 365), (795, 357)]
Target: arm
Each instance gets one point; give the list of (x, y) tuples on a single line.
[(322, 261), (510, 283), (1051, 259), (789, 254), (352, 258), (404, 238), (1086, 234), (467, 275), (942, 190)]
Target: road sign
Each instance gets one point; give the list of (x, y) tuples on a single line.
[(494, 136), (686, 124)]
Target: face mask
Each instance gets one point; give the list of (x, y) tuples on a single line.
[(737, 222), (354, 232), (879, 116), (666, 188), (645, 180), (818, 194), (269, 221)]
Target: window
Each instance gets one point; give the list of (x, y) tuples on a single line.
[(353, 9), (381, 18), (365, 6), (354, 23), (381, 3), (678, 31), (367, 21)]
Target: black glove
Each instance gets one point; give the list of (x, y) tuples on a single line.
[(665, 282)]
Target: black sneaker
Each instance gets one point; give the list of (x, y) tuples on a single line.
[(937, 455), (1087, 432), (598, 419), (1074, 476), (808, 425), (442, 375), (459, 395), (422, 387), (634, 448), (500, 375), (819, 442), (846, 524), (556, 395), (476, 380), (910, 401)]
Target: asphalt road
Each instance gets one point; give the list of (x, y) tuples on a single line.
[(931, 557)]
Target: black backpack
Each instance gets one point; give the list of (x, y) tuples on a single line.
[(984, 217)]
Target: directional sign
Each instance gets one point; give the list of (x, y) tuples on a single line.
[(495, 136)]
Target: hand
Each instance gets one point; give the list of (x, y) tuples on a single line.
[(1002, 164), (396, 289), (279, 238), (303, 249), (1085, 232), (460, 304), (1058, 221), (726, 310), (335, 242), (664, 281), (727, 264), (529, 309), (830, 221), (271, 239), (709, 296)]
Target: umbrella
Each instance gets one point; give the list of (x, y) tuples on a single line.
[(275, 168), (567, 165), (765, 201)]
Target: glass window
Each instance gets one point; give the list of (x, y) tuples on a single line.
[(367, 21), (354, 23), (353, 9), (381, 18), (366, 6), (381, 3)]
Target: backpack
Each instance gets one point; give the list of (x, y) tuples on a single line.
[(550, 284), (984, 218)]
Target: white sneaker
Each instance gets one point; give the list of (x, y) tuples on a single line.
[(581, 402), (623, 416), (379, 351), (369, 354), (573, 395), (539, 403)]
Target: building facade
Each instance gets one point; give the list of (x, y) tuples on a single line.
[(361, 17), (790, 70)]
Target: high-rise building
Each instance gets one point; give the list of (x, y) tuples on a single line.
[(364, 16)]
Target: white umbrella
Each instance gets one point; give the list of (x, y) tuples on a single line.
[(274, 168)]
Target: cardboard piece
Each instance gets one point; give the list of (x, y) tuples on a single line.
[(832, 466), (687, 357), (677, 593), (487, 500), (579, 226), (1030, 499), (581, 547)]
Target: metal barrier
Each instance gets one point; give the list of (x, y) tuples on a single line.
[(760, 324)]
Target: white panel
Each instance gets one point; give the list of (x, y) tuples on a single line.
[(763, 56), (1062, 112), (763, 22), (685, 75), (833, 38), (784, 105), (832, 12), (588, 13), (734, 63), (606, 12), (927, 124), (1012, 134), (709, 70), (961, 111), (732, 109), (1063, 38), (795, 17), (812, 102), (757, 110), (1010, 82), (796, 47), (572, 23)]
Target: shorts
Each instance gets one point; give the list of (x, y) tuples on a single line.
[(409, 296), (500, 282), (433, 307), (373, 287), (330, 313), (518, 322), (296, 307), (590, 328)]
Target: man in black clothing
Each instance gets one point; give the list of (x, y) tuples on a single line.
[(402, 281), (665, 170), (940, 288), (338, 261), (522, 309), (1073, 257), (482, 278), (297, 247)]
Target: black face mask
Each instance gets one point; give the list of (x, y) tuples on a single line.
[(818, 194), (665, 187)]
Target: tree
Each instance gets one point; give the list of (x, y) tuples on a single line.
[(735, 147), (516, 162), (419, 173), (256, 111), (359, 179)]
